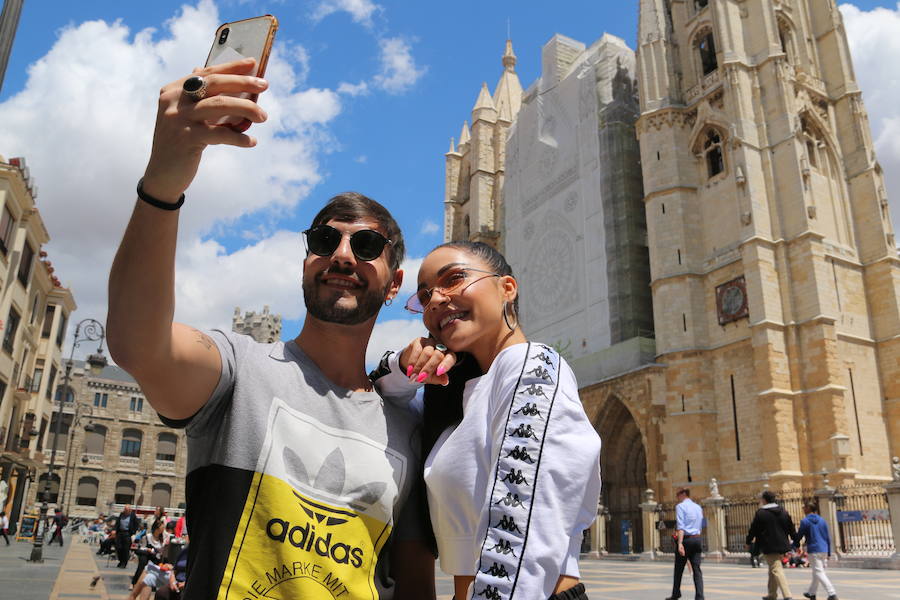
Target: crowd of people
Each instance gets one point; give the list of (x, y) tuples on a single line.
[(159, 545)]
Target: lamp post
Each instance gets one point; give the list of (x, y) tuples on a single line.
[(87, 330), (67, 477)]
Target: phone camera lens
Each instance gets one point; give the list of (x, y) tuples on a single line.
[(224, 35)]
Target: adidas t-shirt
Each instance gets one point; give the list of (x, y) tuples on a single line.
[(296, 487)]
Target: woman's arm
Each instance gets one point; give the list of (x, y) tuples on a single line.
[(546, 481)]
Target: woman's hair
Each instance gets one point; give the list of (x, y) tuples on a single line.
[(492, 257)]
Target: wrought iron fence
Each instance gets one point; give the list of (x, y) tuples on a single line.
[(739, 513), (666, 524), (864, 521)]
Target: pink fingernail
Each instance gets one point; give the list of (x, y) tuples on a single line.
[(409, 371), (422, 377), (441, 370)]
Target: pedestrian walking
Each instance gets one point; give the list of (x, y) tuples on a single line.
[(773, 529), (818, 548), (59, 522), (125, 526), (688, 547), (4, 526)]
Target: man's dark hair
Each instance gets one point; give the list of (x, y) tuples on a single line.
[(811, 507), (685, 491), (352, 206), (769, 496)]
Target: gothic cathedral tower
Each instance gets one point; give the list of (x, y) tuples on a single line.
[(774, 268), (475, 167)]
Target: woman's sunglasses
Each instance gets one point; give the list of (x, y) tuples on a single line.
[(323, 240)]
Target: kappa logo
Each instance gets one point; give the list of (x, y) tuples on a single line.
[(497, 571), (530, 409)]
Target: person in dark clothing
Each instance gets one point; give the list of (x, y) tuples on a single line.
[(773, 529), (59, 521), (689, 547), (126, 525)]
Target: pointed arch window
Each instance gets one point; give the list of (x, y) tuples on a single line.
[(786, 38), (713, 153), (706, 49)]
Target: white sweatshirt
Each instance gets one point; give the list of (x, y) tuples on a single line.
[(512, 487)]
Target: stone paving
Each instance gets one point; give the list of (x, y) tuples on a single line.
[(67, 573)]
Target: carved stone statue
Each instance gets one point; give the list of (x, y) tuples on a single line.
[(895, 468), (714, 488)]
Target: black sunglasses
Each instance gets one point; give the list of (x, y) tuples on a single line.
[(323, 240)]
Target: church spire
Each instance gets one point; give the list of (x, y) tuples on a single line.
[(508, 94), (509, 57), (464, 135), (484, 108)]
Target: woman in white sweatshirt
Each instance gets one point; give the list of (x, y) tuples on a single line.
[(513, 464)]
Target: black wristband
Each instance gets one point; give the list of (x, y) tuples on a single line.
[(153, 201)]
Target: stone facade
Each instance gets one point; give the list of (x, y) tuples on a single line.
[(263, 327), (774, 271), (34, 313), (112, 447), (473, 201)]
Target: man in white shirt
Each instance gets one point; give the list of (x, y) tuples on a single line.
[(688, 547)]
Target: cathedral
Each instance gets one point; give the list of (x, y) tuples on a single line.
[(701, 228)]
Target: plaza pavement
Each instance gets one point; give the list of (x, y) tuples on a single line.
[(67, 572)]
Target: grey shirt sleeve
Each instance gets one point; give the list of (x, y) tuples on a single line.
[(221, 395)]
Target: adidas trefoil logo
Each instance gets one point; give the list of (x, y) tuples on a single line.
[(328, 485)]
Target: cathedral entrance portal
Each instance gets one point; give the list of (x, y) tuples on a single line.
[(623, 462)]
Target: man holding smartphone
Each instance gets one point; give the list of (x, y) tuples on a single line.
[(302, 482)]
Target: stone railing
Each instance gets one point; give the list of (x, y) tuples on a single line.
[(705, 84), (92, 460), (130, 463), (165, 467)]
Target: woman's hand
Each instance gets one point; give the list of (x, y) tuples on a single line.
[(425, 362)]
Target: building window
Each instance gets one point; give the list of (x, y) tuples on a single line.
[(706, 46), (48, 321), (161, 495), (70, 394), (166, 445), (712, 151), (36, 379), (9, 335), (7, 226), (131, 443), (34, 309), (64, 424), (86, 493), (53, 491), (61, 332), (137, 404), (25, 263), (125, 492), (50, 382), (95, 440), (100, 399)]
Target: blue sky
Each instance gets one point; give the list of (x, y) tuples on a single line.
[(79, 97)]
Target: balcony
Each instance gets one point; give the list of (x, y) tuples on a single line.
[(129, 463), (164, 467), (92, 461), (60, 457), (707, 83)]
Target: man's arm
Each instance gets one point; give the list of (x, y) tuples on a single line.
[(177, 366), (679, 529)]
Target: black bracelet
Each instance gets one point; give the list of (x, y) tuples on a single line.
[(153, 201)]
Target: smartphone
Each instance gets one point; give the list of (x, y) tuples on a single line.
[(243, 39)]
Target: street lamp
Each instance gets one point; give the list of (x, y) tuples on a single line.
[(87, 330), (67, 477)]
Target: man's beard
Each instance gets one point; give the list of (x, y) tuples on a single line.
[(327, 309)]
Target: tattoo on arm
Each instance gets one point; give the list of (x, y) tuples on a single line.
[(204, 339)]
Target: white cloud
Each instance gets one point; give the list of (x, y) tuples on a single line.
[(398, 67), (360, 10), (353, 89), (874, 38), (392, 335), (410, 268), (429, 227), (361, 159), (85, 126)]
